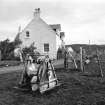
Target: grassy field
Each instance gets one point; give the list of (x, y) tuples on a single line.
[(9, 63), (75, 90)]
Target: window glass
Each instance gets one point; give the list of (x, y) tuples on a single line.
[(27, 34), (46, 47)]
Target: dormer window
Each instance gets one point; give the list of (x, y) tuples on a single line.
[(27, 34)]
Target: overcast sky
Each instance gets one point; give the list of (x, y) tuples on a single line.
[(81, 20)]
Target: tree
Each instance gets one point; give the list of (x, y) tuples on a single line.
[(3, 47), (17, 40), (7, 49)]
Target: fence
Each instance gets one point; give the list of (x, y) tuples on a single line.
[(92, 63)]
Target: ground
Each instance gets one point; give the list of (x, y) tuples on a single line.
[(77, 89)]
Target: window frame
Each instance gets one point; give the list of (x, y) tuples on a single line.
[(27, 34), (46, 47)]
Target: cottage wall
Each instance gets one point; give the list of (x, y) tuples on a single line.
[(40, 33)]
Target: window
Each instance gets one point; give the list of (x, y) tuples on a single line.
[(54, 30), (46, 47), (27, 34)]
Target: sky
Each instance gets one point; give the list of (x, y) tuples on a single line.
[(81, 20)]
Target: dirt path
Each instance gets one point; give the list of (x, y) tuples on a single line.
[(8, 69), (11, 69)]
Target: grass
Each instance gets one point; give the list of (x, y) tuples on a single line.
[(75, 90), (9, 63)]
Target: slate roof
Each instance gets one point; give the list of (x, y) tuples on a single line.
[(56, 26)]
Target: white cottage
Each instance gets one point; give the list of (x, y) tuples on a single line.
[(45, 37)]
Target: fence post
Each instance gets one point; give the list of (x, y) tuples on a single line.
[(0, 55), (81, 59), (99, 63)]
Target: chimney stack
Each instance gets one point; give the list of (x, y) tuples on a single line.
[(37, 13)]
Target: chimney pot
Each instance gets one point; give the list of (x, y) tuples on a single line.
[(37, 13)]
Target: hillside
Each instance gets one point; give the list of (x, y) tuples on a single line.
[(87, 47)]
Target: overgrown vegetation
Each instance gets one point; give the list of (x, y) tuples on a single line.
[(75, 90), (32, 50), (7, 49)]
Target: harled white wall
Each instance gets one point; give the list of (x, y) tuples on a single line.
[(40, 33)]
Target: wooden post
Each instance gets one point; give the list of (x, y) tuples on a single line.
[(65, 60), (74, 61), (81, 59), (99, 64), (0, 55)]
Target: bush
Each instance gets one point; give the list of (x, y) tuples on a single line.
[(31, 51)]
